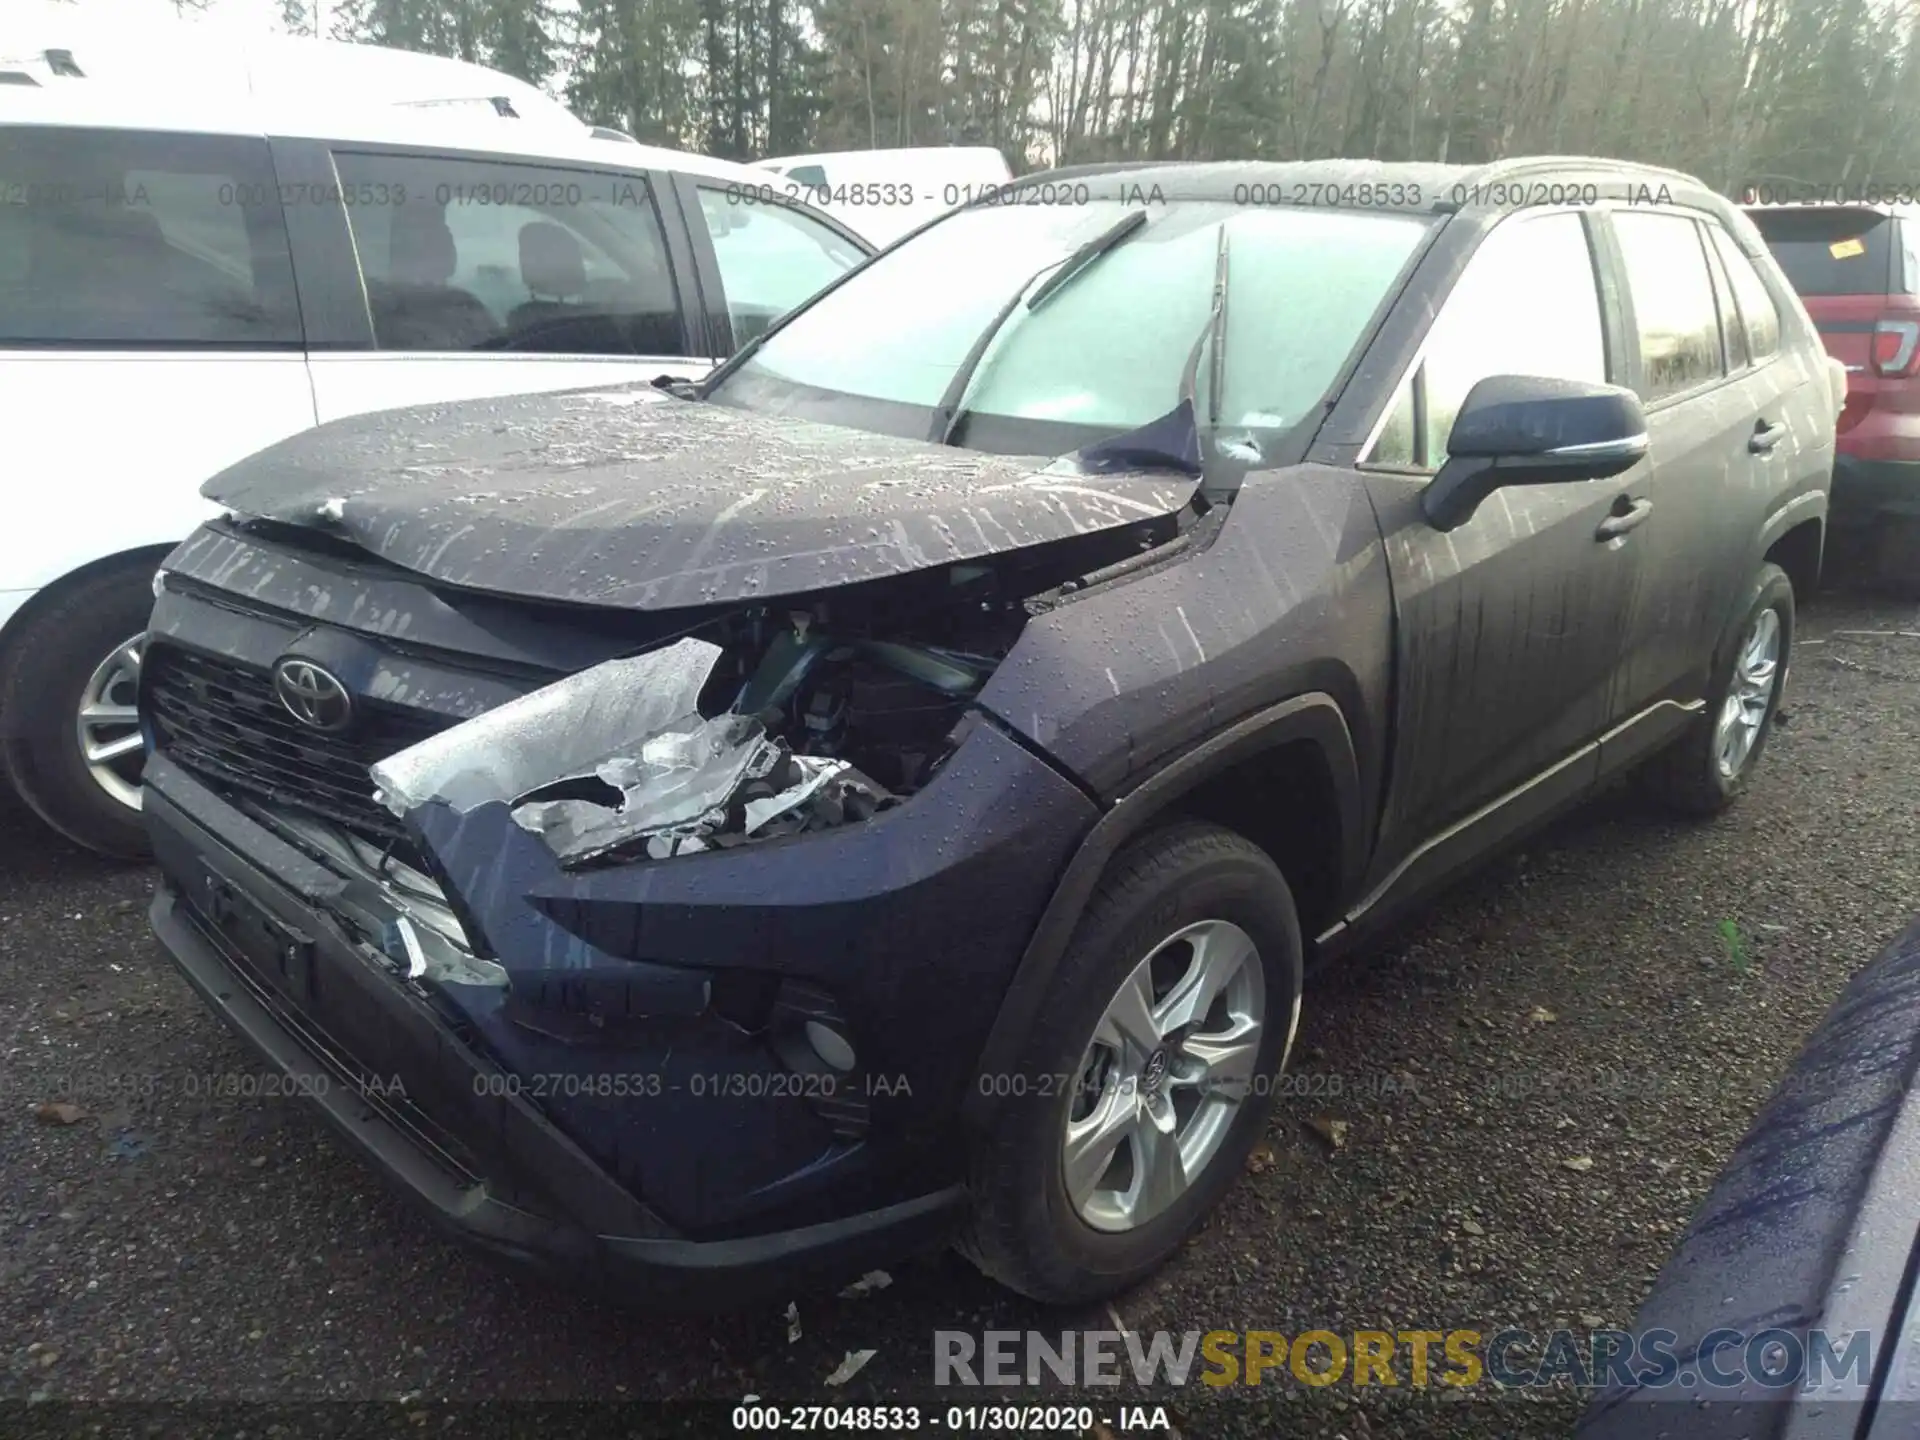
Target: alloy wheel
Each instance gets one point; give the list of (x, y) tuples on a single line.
[(107, 725), (1170, 1064), (1749, 696)]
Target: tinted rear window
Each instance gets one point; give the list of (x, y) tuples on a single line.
[(1831, 252), (115, 238)]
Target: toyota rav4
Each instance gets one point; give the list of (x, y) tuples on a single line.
[(709, 838)]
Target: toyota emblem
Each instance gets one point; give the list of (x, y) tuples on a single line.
[(312, 695)]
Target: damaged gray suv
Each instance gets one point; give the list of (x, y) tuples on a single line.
[(707, 840)]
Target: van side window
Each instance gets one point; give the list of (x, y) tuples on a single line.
[(471, 255), (1759, 316), (771, 257), (109, 237), (1672, 302)]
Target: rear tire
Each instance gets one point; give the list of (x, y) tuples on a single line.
[(63, 650), (1691, 777), (1167, 897)]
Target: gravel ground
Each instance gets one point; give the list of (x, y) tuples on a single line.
[(1583, 999)]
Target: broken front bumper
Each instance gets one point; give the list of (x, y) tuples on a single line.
[(654, 1145)]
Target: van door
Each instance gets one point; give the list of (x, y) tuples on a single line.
[(468, 277)]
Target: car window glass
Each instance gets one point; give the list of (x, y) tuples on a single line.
[(1732, 329), (1526, 305), (1679, 330), (1759, 316), (771, 257), (1394, 445), (471, 255), (1834, 250), (812, 176), (1302, 287), (1109, 350), (114, 237)]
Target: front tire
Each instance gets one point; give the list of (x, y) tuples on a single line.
[(66, 700), (1704, 771), (1154, 1054)]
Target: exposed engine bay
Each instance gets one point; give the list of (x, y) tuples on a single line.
[(764, 722)]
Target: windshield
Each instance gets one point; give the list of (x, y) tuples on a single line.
[(1105, 353)]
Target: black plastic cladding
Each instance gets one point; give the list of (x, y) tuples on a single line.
[(634, 499)]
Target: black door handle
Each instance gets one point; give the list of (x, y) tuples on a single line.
[(1766, 435), (1626, 515)]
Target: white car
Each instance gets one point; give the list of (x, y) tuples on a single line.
[(885, 193), (206, 248)]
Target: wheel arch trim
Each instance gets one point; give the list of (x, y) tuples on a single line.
[(1314, 718)]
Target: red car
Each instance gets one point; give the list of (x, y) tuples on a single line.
[(1857, 267)]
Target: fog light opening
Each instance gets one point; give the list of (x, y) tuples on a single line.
[(831, 1046)]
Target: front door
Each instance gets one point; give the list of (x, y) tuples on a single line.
[(1508, 628)]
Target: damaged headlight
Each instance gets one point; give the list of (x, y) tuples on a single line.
[(618, 756)]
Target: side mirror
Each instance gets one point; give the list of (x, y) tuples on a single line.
[(1525, 430)]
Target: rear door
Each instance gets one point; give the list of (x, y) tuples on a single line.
[(436, 276), (149, 336), (1722, 434)]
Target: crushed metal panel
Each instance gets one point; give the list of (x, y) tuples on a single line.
[(634, 499), (557, 732)]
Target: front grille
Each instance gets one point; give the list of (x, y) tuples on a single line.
[(221, 720)]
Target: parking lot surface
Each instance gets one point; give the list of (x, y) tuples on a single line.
[(1624, 990)]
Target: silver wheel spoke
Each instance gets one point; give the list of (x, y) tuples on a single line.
[(1129, 1028), (1160, 1172), (1091, 1142), (1218, 955), (100, 754), (105, 712), (1225, 1062)]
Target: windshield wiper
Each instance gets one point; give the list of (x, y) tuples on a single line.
[(946, 415), (1216, 335), (1174, 438)]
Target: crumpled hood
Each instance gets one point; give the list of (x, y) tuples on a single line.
[(633, 498)]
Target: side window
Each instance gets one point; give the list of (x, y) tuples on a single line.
[(1732, 328), (1525, 305), (1672, 301), (771, 257), (1759, 316), (472, 255), (813, 177), (111, 237), (1395, 446)]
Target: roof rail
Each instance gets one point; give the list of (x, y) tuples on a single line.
[(61, 62), (1521, 164), (607, 132), (502, 104)]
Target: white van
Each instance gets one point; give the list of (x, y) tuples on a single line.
[(885, 193), (207, 245)]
